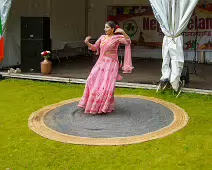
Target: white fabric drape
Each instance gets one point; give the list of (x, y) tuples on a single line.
[(5, 6), (173, 17)]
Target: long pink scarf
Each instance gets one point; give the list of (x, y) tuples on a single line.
[(127, 67)]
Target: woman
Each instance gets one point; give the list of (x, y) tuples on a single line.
[(98, 95)]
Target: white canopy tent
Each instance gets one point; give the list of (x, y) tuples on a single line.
[(69, 22)]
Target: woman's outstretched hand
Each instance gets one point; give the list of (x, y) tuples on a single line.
[(119, 30), (87, 39)]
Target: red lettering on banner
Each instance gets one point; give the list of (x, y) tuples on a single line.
[(191, 24), (153, 24), (158, 27), (145, 23), (194, 23), (208, 23), (201, 23)]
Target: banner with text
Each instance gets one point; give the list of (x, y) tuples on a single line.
[(144, 30)]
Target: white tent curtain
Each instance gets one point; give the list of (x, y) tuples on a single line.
[(5, 6), (173, 17)]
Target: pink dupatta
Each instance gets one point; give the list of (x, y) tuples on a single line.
[(127, 67)]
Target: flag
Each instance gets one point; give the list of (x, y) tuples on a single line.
[(1, 42)]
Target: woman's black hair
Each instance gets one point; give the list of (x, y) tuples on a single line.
[(112, 24)]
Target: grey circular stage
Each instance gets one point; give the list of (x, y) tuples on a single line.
[(136, 119), (131, 117)]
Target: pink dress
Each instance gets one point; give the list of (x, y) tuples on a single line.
[(98, 95)]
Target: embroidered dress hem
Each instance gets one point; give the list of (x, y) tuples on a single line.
[(94, 112)]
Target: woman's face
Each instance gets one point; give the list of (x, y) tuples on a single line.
[(108, 29)]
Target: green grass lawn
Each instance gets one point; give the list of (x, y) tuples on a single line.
[(20, 148)]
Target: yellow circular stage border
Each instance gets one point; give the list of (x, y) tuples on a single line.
[(36, 124)]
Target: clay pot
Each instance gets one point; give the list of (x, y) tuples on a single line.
[(46, 66)]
